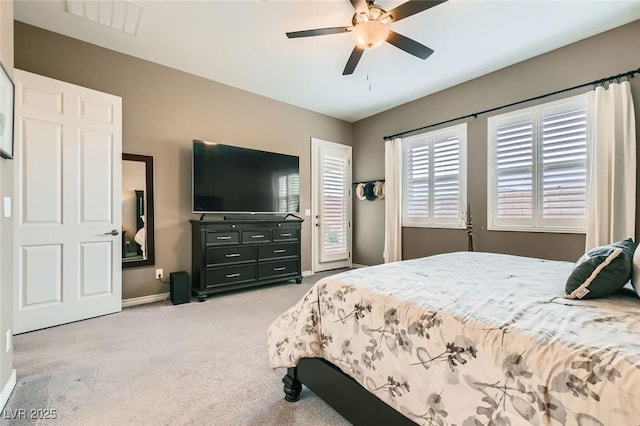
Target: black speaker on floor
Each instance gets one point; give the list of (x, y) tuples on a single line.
[(179, 287)]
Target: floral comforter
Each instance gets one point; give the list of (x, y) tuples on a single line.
[(473, 339)]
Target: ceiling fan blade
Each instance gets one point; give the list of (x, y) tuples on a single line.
[(352, 63), (409, 45), (318, 32), (359, 5), (411, 8)]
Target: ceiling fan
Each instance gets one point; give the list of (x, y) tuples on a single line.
[(370, 27)]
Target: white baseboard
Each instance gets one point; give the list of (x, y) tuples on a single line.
[(307, 273), (357, 265), (144, 299), (8, 388)]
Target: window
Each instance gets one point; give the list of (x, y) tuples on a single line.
[(334, 204), (537, 168), (434, 178)]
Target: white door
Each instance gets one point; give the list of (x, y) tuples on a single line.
[(331, 205), (67, 174)]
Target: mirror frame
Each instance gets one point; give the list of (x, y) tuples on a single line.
[(148, 212)]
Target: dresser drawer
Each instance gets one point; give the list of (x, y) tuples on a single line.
[(256, 236), (232, 254), (230, 275), (279, 268), (284, 234), (275, 251), (214, 238)]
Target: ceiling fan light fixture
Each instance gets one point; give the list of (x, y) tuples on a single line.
[(363, 17), (370, 28), (370, 34)]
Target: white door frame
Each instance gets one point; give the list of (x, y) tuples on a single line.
[(316, 144)]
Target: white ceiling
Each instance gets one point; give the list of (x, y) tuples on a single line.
[(243, 44)]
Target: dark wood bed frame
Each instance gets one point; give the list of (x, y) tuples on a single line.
[(341, 392)]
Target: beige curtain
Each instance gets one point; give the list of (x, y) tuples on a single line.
[(612, 168), (393, 200)]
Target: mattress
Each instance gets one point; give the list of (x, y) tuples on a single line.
[(472, 339)]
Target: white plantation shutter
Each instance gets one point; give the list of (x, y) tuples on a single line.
[(334, 229), (434, 178), (538, 167), (417, 181), (514, 169), (564, 165), (446, 177)]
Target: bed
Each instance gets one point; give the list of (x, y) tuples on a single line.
[(463, 339)]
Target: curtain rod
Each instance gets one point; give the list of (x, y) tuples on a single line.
[(628, 74)]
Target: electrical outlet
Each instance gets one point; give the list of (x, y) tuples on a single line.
[(159, 274), (7, 342)]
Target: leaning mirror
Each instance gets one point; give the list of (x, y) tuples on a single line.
[(137, 211)]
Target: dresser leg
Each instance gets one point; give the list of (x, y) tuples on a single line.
[(298, 280), (202, 297)]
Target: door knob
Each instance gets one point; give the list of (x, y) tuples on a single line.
[(113, 232)]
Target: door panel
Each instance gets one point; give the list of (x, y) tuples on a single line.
[(94, 271), (40, 275), (96, 151), (67, 179), (42, 187), (43, 99), (98, 111), (331, 194)]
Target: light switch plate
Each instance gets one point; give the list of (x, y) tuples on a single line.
[(307, 212), (7, 206)]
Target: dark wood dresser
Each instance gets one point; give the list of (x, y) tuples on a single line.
[(230, 255)]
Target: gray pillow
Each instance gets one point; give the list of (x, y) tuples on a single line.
[(601, 271)]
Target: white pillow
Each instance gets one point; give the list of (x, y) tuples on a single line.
[(635, 270)]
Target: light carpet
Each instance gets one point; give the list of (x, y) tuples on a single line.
[(160, 364)]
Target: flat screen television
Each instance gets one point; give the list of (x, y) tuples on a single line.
[(231, 179)]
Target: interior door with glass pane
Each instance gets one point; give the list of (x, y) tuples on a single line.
[(331, 195)]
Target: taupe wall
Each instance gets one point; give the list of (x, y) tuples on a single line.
[(163, 111), (607, 54), (6, 224)]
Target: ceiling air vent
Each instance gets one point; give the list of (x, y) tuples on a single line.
[(121, 15)]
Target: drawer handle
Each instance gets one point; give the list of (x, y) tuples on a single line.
[(279, 251), (282, 268), (232, 255), (258, 236), (232, 275), (223, 238), (285, 235)]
